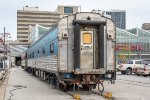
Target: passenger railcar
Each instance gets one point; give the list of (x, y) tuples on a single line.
[(78, 50)]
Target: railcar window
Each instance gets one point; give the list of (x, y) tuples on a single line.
[(43, 50), (51, 47), (33, 55), (38, 53), (87, 38)]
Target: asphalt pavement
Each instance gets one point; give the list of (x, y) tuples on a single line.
[(130, 87), (24, 86)]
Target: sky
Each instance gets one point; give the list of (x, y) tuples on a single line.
[(137, 11)]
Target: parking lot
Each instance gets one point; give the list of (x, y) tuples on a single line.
[(24, 86), (130, 87)]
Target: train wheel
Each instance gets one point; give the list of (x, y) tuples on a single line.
[(53, 80), (63, 87)]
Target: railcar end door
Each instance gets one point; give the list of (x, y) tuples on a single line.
[(86, 53)]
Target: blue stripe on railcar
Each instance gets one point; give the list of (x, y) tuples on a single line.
[(42, 46)]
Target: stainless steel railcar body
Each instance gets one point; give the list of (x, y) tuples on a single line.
[(87, 40), (85, 47)]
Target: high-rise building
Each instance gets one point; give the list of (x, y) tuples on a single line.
[(119, 17), (146, 26), (30, 16)]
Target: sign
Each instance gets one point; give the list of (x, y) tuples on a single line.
[(127, 47)]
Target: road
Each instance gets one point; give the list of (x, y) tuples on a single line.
[(130, 87), (24, 86)]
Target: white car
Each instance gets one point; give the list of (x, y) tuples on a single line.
[(131, 66), (145, 70)]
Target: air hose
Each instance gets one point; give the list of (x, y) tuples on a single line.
[(101, 90)]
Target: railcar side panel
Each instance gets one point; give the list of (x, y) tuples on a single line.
[(43, 54)]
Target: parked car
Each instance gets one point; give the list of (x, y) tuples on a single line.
[(131, 66), (147, 61), (144, 70)]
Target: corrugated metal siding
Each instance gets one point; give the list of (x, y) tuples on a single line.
[(48, 63)]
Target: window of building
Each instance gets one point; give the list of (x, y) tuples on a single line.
[(23, 40), (22, 36), (23, 29), (39, 17), (32, 13), (36, 21), (68, 10)]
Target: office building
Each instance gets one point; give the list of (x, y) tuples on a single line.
[(119, 17), (30, 16), (132, 44)]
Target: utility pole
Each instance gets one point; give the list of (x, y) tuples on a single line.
[(4, 47), (3, 41)]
